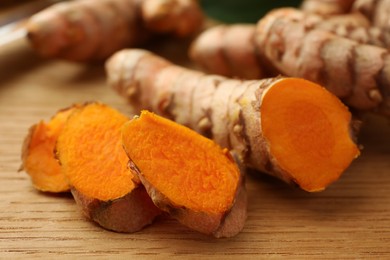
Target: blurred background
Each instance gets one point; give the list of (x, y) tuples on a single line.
[(242, 11)]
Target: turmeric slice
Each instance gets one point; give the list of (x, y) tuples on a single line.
[(38, 158), (92, 158), (290, 128), (187, 175)]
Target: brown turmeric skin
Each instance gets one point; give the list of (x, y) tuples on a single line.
[(92, 158), (90, 30), (228, 50), (327, 7), (377, 11), (254, 119), (38, 158), (187, 175)]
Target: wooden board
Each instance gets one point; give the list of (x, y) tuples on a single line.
[(351, 219)]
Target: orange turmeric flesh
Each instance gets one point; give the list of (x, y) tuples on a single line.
[(91, 154), (188, 169), (38, 154), (305, 133)]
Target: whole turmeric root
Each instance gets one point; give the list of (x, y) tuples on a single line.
[(288, 127), (93, 160), (187, 175), (356, 73), (89, 30), (38, 158)]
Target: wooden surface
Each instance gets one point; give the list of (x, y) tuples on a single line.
[(351, 219)]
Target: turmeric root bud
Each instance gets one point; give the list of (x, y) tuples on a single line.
[(90, 151), (186, 175), (179, 17)]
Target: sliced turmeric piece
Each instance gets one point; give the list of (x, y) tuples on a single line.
[(287, 127), (92, 158), (38, 158), (187, 175)]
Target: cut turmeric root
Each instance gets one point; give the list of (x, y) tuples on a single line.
[(38, 158), (93, 160), (288, 127), (90, 30), (187, 175)]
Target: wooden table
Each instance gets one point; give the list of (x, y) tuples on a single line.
[(351, 219)]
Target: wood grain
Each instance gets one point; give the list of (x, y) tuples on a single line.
[(351, 219)]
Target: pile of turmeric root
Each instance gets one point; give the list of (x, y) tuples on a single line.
[(277, 96)]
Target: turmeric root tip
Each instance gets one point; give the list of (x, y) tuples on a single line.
[(306, 133), (91, 155), (186, 174)]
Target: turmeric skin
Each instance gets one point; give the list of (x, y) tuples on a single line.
[(377, 11), (186, 174), (327, 7), (38, 158), (179, 17), (234, 113), (90, 151), (228, 50), (90, 30)]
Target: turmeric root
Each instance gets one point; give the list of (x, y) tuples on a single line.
[(180, 17), (187, 175), (89, 30), (356, 73), (228, 51), (288, 127), (327, 7), (38, 158), (90, 152)]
